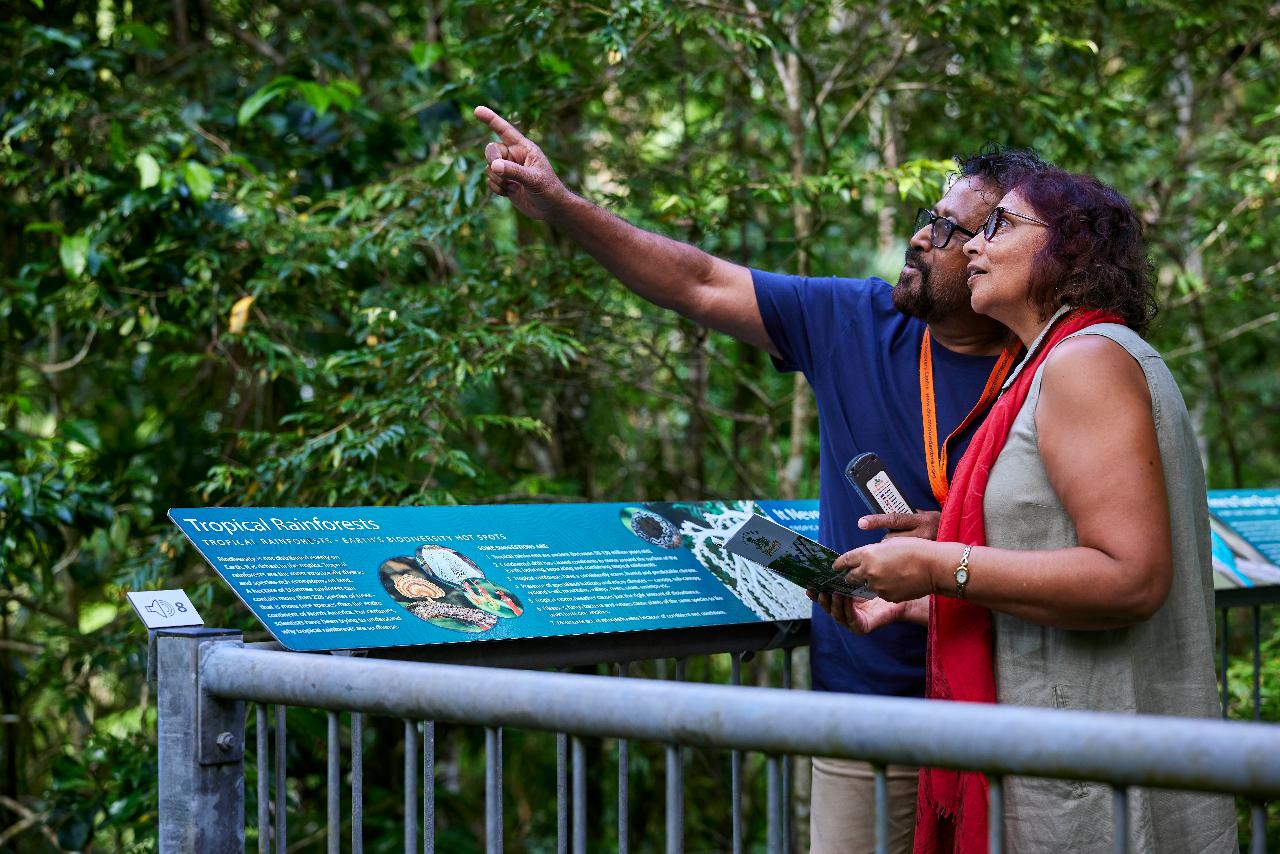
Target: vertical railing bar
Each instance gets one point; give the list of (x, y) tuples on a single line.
[(410, 787), (773, 772), (624, 780), (501, 802), (735, 764), (562, 793), (675, 783), (675, 840), (264, 782), (1226, 624), (493, 789), (882, 809), (282, 742), (1258, 821), (1120, 818), (429, 787), (579, 749), (357, 783), (1257, 662), (995, 815), (786, 765), (335, 786)]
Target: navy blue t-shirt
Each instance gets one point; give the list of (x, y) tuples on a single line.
[(862, 358)]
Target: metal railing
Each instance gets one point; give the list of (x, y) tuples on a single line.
[(1253, 599), (206, 675)]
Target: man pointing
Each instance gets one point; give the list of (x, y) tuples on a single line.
[(891, 367)]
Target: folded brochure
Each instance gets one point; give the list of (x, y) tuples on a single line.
[(794, 556)]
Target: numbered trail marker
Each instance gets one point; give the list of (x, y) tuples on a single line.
[(164, 609)]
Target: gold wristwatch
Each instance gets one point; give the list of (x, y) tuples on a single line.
[(962, 572)]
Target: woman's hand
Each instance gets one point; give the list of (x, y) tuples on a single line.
[(860, 616), (899, 569)]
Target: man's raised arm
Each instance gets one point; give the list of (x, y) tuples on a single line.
[(674, 275)]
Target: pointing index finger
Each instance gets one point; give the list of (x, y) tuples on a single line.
[(504, 129)]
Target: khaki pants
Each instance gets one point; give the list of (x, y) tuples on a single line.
[(842, 814)]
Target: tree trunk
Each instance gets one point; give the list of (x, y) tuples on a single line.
[(793, 471), (1193, 264)]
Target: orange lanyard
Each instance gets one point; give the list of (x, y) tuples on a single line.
[(935, 457)]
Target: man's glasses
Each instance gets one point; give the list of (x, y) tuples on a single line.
[(1000, 217), (943, 228)]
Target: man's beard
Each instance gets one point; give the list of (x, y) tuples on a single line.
[(927, 299)]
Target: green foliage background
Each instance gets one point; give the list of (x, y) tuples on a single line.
[(248, 257)]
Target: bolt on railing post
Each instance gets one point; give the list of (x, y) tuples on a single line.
[(201, 750)]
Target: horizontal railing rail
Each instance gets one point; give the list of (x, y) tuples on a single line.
[(206, 675), (1123, 750)]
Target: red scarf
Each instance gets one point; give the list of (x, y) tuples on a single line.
[(952, 812)]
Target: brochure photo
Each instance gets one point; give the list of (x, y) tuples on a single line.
[(793, 556)]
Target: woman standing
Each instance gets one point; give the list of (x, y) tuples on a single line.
[(1072, 567)]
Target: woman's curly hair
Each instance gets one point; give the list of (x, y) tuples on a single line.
[(1095, 256)]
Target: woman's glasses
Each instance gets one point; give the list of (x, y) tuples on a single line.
[(943, 228), (1000, 217)]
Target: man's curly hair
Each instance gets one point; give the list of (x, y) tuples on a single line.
[(1000, 167), (1095, 256)]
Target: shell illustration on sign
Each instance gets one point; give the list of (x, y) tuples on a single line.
[(650, 527), (487, 596), (447, 565), (447, 589)]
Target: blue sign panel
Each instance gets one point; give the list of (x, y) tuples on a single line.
[(367, 577)]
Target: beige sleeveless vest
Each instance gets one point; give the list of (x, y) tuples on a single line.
[(1163, 666)]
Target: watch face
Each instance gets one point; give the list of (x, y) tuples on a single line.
[(962, 576)]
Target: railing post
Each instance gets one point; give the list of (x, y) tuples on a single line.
[(201, 750)]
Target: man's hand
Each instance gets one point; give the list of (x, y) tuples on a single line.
[(923, 524), (518, 169), (859, 616)]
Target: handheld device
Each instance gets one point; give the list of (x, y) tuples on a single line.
[(871, 481)]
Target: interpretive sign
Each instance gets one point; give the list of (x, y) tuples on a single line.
[(1246, 542), (369, 577)]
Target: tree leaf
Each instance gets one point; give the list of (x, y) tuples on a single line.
[(33, 227), (255, 102), (424, 54), (199, 180), (84, 431), (239, 315), (315, 95), (141, 34), (74, 253), (148, 170)]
